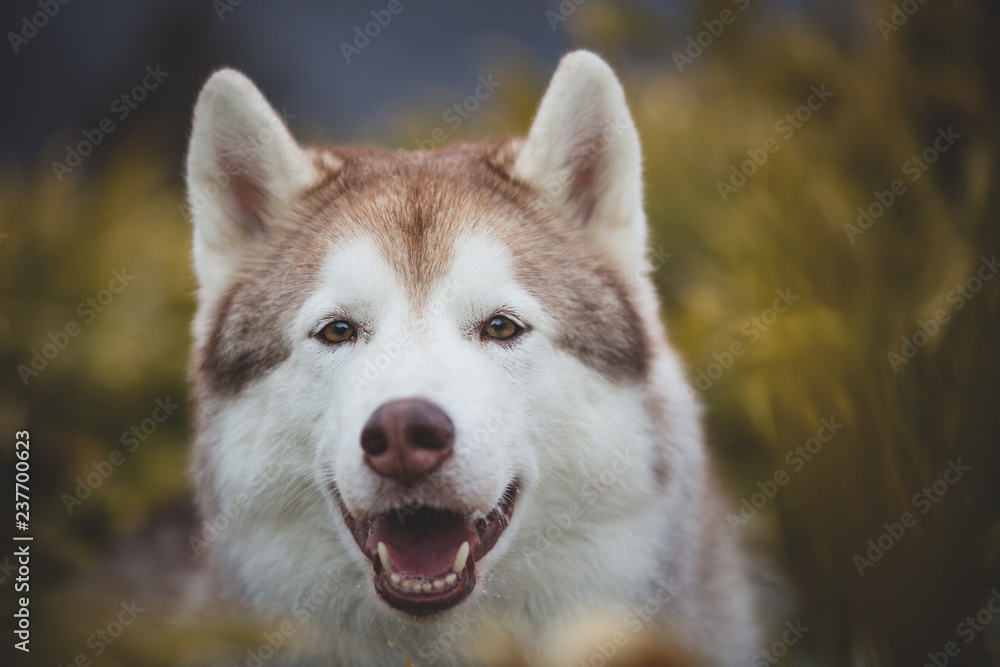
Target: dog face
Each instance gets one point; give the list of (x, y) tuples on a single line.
[(402, 359)]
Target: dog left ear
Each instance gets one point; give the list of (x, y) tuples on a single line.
[(583, 155), (243, 166)]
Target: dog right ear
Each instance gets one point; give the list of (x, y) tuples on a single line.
[(242, 166)]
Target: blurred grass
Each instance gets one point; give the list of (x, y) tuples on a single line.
[(783, 229)]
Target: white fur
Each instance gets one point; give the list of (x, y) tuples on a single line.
[(532, 411), (583, 123), (236, 137)]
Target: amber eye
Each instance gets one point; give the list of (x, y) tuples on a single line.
[(501, 328), (338, 332)]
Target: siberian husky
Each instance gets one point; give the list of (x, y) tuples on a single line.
[(434, 396)]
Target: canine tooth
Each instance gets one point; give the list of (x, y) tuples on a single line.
[(426, 588), (438, 584), (395, 578), (460, 558), (450, 579), (383, 555)]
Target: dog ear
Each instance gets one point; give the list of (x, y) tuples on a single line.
[(583, 155), (242, 165)]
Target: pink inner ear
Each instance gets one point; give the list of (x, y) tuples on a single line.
[(246, 189), (581, 191), (250, 200)]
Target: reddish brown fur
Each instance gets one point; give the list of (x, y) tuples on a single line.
[(415, 206)]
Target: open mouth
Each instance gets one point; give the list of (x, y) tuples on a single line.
[(425, 558)]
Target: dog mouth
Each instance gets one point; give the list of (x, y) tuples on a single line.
[(424, 558)]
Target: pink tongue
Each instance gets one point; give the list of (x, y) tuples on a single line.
[(422, 543)]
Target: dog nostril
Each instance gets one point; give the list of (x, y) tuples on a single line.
[(427, 437), (407, 438), (373, 441)]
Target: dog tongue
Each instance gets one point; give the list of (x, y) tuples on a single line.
[(422, 543)]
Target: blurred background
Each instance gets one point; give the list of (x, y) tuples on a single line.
[(822, 188)]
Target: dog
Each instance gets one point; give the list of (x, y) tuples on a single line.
[(434, 397)]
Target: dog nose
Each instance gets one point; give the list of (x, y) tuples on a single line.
[(407, 438)]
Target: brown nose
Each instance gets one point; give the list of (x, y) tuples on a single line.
[(407, 438)]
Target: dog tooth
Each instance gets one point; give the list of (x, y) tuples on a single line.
[(460, 558), (383, 555), (407, 585), (438, 584), (450, 579), (395, 578), (426, 588)]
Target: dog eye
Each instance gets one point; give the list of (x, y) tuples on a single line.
[(338, 332), (501, 328)]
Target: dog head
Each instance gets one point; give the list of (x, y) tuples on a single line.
[(404, 360)]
